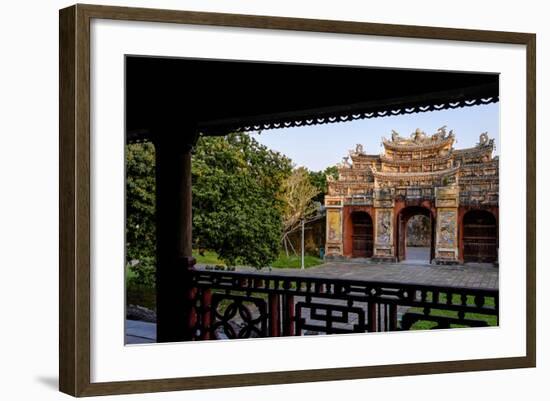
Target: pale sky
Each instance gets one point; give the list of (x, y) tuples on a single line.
[(319, 146)]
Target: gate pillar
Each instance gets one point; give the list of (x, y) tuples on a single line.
[(334, 242), (384, 248), (446, 234)]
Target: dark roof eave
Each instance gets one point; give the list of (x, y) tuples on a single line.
[(380, 108)]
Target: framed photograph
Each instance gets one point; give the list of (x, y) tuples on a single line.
[(250, 200)]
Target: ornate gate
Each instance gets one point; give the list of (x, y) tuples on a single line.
[(416, 171)]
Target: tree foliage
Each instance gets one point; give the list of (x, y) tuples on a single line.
[(140, 202), (319, 180), (297, 195), (244, 198), (419, 231), (236, 199)]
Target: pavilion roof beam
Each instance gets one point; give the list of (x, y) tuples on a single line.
[(433, 101)]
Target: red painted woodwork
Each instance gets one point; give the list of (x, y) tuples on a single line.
[(462, 211), (362, 236), (361, 213), (480, 236)]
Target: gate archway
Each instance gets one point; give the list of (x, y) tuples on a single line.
[(480, 236), (403, 219), (362, 237)]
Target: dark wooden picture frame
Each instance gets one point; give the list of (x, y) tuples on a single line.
[(74, 293)]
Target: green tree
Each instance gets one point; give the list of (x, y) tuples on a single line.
[(237, 209), (140, 214), (297, 195), (236, 199), (140, 201)]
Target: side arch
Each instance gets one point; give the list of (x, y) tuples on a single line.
[(480, 237), (362, 235)]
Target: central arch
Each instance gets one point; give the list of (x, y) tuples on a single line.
[(403, 219), (362, 237)]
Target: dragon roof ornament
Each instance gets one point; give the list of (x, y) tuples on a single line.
[(484, 141), (358, 151)]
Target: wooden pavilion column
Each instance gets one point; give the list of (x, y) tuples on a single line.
[(174, 234)]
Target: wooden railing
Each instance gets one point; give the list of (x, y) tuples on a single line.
[(249, 304)]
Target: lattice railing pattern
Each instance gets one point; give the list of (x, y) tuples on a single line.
[(247, 304)]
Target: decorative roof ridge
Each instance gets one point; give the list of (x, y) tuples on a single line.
[(418, 140), (390, 161), (474, 149), (484, 144), (389, 174), (364, 155), (416, 146)]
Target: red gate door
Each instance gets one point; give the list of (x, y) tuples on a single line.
[(362, 235), (480, 237)]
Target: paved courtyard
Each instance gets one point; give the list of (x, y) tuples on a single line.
[(474, 275), (470, 276)]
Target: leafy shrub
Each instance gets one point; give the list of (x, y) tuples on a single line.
[(142, 272)]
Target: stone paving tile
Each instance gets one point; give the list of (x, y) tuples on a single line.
[(138, 332)]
